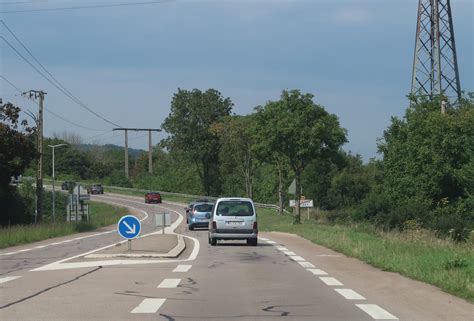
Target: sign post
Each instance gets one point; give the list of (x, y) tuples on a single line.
[(303, 203), (129, 227), (162, 220)]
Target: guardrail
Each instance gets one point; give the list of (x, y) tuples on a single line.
[(191, 196)]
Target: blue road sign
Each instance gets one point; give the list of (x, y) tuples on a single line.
[(129, 227)]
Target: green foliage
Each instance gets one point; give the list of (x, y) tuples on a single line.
[(443, 263), (189, 127), (17, 150), (429, 154), (456, 263), (297, 129), (236, 152)]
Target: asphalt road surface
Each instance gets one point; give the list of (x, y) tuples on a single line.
[(284, 278)]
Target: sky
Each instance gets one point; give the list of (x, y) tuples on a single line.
[(125, 63)]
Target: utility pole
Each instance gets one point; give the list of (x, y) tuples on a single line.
[(150, 168), (435, 66), (39, 94), (54, 178), (126, 153)]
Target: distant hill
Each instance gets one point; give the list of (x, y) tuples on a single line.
[(133, 153)]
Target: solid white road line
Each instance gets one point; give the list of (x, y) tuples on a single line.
[(330, 281), (263, 239), (317, 272), (350, 294), (82, 237), (289, 253), (271, 242), (182, 268), (306, 264), (376, 312), (169, 283), (149, 306), (297, 258), (9, 278), (282, 248), (61, 265)]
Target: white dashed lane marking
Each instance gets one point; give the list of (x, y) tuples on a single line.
[(149, 306), (297, 258), (9, 278), (318, 272), (376, 312), (330, 281), (372, 310), (306, 265), (169, 283), (182, 268), (350, 294)]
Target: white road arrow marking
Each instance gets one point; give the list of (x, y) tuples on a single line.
[(130, 229)]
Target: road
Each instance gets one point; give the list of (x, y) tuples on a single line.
[(285, 277)]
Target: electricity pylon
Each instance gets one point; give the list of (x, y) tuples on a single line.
[(435, 66)]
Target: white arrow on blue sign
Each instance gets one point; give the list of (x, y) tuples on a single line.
[(129, 227)]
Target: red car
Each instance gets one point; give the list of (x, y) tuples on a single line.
[(152, 197)]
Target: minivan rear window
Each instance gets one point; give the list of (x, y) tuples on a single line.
[(235, 208), (203, 207)]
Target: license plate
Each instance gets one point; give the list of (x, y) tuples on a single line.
[(234, 223)]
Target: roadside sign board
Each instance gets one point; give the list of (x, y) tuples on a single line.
[(303, 203), (163, 219), (129, 227)]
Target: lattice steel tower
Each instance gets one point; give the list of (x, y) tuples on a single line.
[(435, 66)]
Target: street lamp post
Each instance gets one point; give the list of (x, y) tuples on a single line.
[(54, 191)]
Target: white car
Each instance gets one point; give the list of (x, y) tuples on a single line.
[(233, 218)]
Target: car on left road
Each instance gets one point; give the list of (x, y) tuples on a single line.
[(153, 197), (95, 189)]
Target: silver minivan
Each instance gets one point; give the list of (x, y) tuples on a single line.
[(233, 219)]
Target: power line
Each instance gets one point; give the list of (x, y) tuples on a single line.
[(50, 111), (35, 59), (73, 123), (91, 6), (74, 99)]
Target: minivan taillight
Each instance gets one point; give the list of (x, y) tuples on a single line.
[(255, 226), (214, 225)]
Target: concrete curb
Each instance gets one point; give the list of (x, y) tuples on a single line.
[(173, 253)]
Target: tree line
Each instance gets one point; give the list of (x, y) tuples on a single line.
[(424, 177)]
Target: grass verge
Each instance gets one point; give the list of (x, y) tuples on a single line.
[(415, 254), (101, 215)]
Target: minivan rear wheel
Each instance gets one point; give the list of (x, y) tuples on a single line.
[(213, 241)]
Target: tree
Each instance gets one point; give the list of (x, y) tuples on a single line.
[(17, 150), (236, 146), (299, 130), (429, 155), (188, 125)]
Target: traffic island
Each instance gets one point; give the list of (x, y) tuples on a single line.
[(154, 245)]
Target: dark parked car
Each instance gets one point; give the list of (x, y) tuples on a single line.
[(95, 189), (152, 197)]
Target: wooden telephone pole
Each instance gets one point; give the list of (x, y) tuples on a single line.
[(150, 168), (39, 94)]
